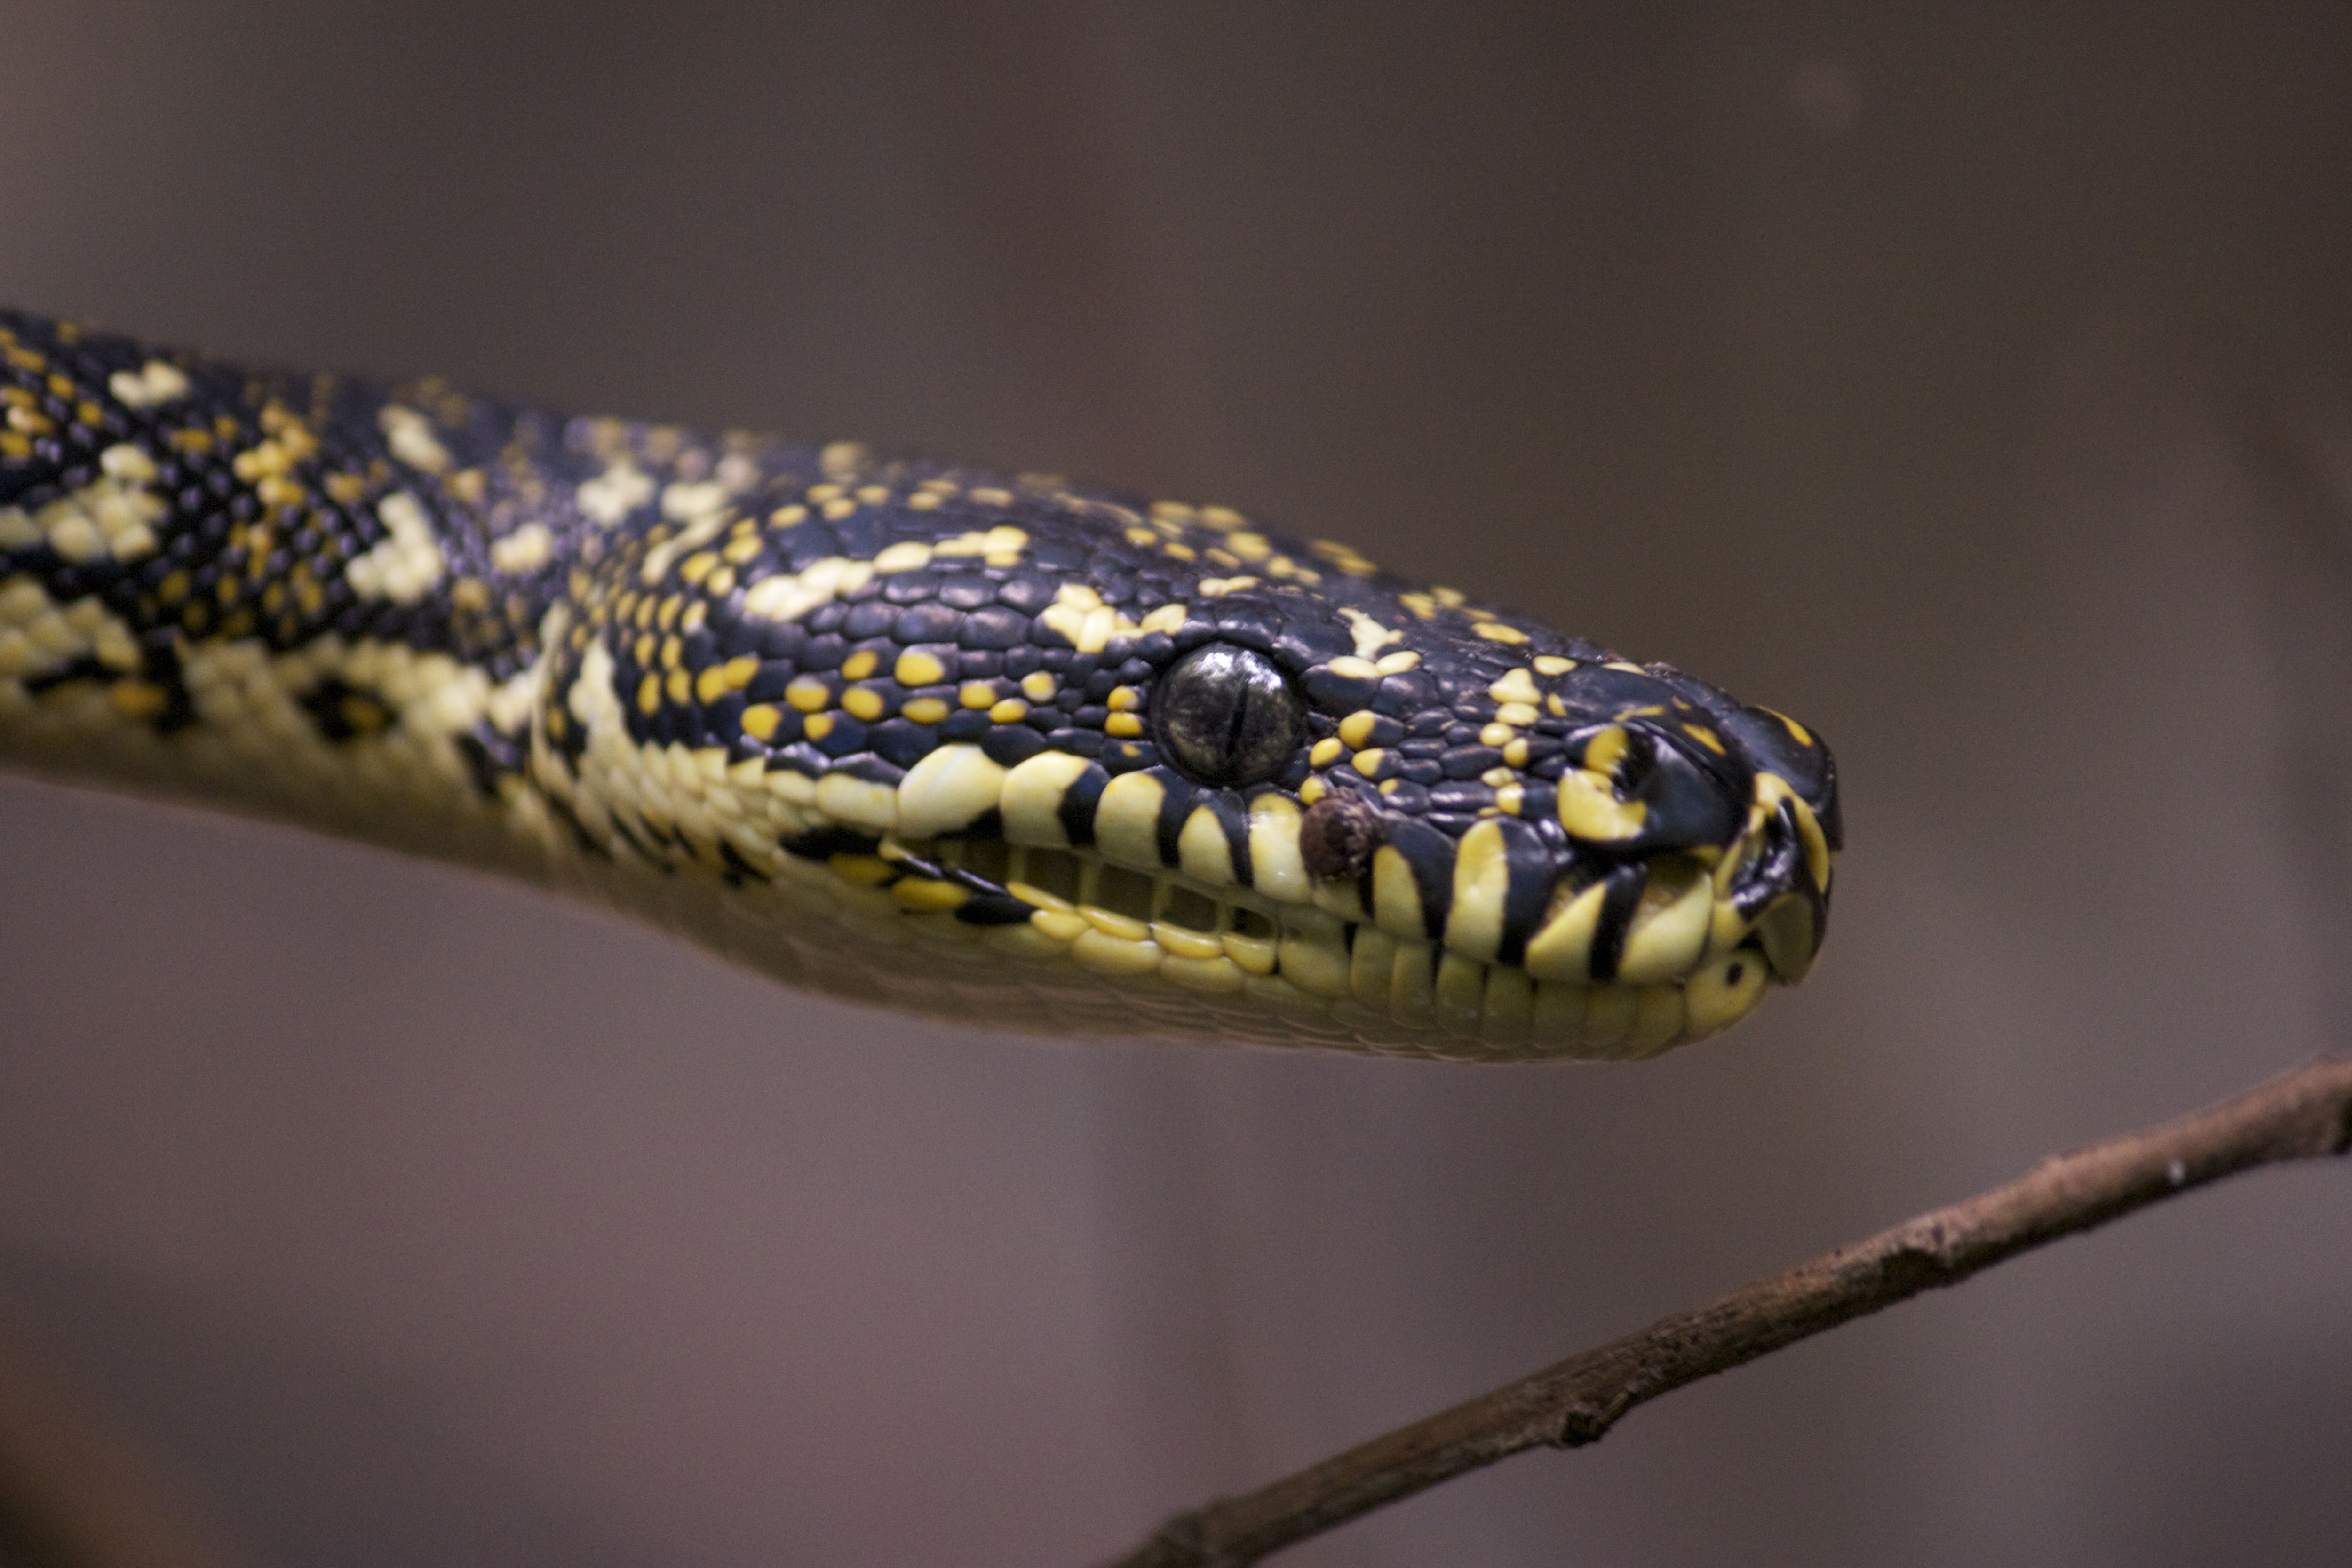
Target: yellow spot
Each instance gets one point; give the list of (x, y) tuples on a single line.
[(1803, 736), (862, 702), (743, 551), (711, 684), (788, 516), (1521, 713), (926, 710), (672, 649), (680, 685), (1369, 763), (859, 665), (1351, 667), (1590, 809), (1552, 664), (1037, 685), (817, 726), (1012, 710), (865, 870), (1123, 726), (1514, 752), (1496, 631), (921, 895), (1397, 663), (697, 566), (977, 694), (1497, 735), (1515, 686), (1327, 751), (1125, 700), (808, 694), (760, 722), (649, 695), (1705, 737), (908, 556), (919, 669), (1357, 727)]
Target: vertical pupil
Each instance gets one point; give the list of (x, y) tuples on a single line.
[(1227, 716)]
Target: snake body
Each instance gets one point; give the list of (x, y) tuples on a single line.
[(997, 747)]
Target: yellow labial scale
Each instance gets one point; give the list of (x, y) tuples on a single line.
[(1785, 931), (1203, 849), (1062, 925), (1032, 798), (1607, 1018), (1255, 954), (1459, 989), (1314, 961), (1590, 809), (857, 801), (1668, 934), (924, 895), (1110, 922), (1720, 993), (1183, 942), (1556, 1020), (1370, 967), (1506, 1013), (1277, 870), (1126, 820), (1396, 897), (1481, 877), (948, 788), (1657, 1021), (1108, 954), (1561, 950)]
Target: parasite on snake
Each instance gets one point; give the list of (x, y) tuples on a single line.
[(916, 735)]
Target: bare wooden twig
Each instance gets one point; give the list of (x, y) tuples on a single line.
[(2304, 1115)]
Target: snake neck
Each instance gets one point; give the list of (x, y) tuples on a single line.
[(306, 596)]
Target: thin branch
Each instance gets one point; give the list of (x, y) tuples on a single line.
[(2304, 1115)]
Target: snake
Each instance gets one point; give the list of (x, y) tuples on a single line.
[(991, 747)]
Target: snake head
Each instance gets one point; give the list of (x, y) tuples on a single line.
[(1075, 764)]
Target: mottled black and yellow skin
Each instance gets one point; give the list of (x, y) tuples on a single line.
[(892, 729)]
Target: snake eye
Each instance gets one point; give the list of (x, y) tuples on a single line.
[(1226, 716)]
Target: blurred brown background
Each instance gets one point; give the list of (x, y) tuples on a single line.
[(1967, 380)]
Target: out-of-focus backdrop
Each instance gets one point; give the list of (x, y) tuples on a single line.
[(1972, 385)]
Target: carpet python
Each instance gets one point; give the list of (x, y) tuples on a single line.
[(1000, 749)]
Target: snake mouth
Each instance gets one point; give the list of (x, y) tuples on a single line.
[(1626, 958)]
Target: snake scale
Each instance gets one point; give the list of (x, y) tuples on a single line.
[(991, 747)]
